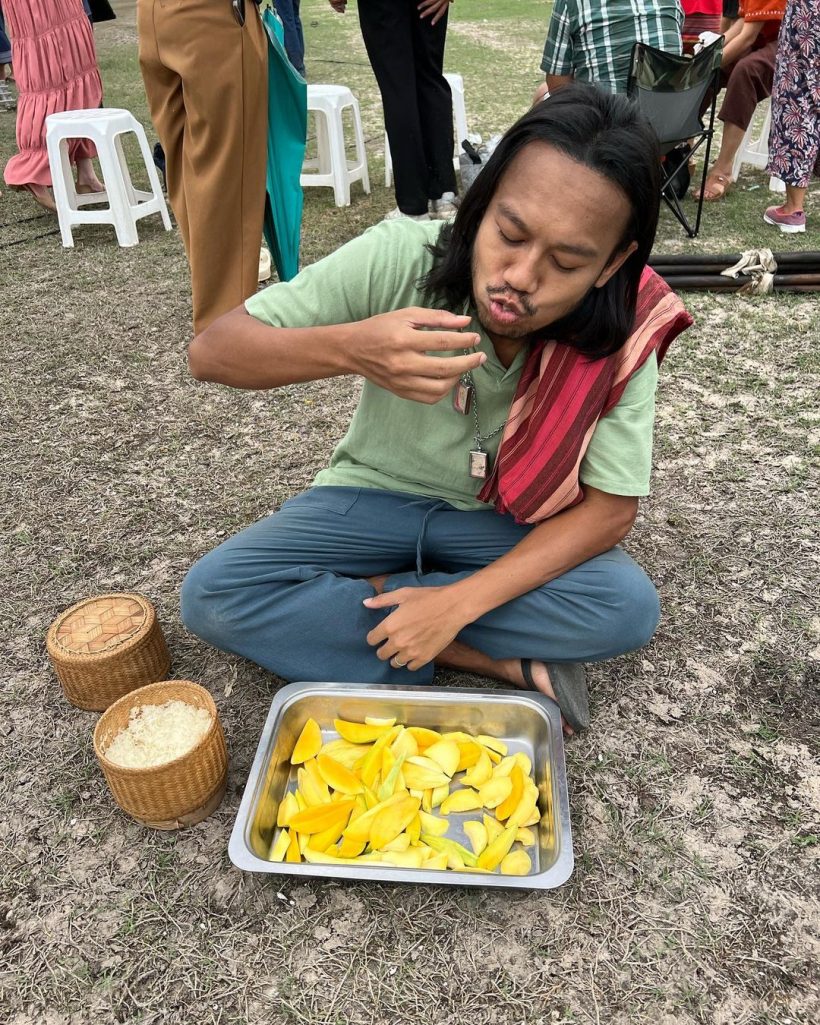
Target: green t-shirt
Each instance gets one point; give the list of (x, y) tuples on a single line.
[(400, 445)]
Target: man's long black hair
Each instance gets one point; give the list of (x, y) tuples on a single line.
[(606, 133)]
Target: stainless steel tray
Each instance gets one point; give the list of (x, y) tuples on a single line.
[(526, 722)]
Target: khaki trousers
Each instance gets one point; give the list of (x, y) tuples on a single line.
[(206, 80)]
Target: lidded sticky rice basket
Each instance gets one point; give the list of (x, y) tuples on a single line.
[(178, 793), (104, 647)]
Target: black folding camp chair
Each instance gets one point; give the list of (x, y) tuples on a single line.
[(671, 92)]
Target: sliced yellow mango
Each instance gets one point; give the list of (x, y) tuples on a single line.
[(423, 774), (517, 863), (359, 829), (525, 762), (413, 858), (446, 754), (321, 841), (426, 799), (391, 821), (303, 841), (510, 802), (494, 791), (326, 858), (350, 755), (439, 794), (414, 828), (437, 862), (504, 767), (480, 772), (422, 736), (287, 807), (433, 825), (350, 848), (493, 827), (373, 759), (321, 817), (470, 754), (308, 743), (394, 781), (442, 845), (371, 720), (527, 803), (493, 854), (405, 744), (401, 843), (476, 833), (492, 744), (280, 846), (293, 854), (461, 800), (337, 776), (359, 732), (310, 791), (525, 836)]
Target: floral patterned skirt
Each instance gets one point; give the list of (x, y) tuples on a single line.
[(794, 144)]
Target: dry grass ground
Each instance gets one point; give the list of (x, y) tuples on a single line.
[(695, 796)]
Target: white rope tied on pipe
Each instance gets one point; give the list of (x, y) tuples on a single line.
[(757, 264)]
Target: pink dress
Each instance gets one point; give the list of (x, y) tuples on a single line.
[(55, 66)]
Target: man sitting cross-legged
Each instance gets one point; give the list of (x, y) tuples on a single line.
[(471, 516)]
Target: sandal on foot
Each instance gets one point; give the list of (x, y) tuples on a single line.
[(716, 187), (569, 681)]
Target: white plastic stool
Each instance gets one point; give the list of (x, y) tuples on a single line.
[(456, 83), (126, 205), (332, 167), (756, 151)]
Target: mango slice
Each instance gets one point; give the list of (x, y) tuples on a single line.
[(470, 754), (371, 720), (326, 858), (350, 848), (493, 854), (444, 846), (405, 744), (423, 774), (504, 767), (308, 743), (517, 863), (394, 780), (414, 828), (446, 754), (373, 759), (347, 754), (493, 827), (391, 821), (477, 835), (480, 772), (337, 776), (359, 732), (414, 858), (287, 808), (359, 829), (526, 805), (525, 836), (494, 791), (321, 841), (525, 762), (438, 862), (423, 737), (280, 846), (439, 794), (433, 825), (492, 744), (321, 817), (461, 800), (309, 790), (510, 803), (293, 854)]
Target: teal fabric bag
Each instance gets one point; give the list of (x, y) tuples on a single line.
[(287, 132)]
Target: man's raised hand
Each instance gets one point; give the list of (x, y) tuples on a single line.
[(393, 351)]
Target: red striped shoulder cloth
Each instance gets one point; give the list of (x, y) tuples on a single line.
[(561, 396)]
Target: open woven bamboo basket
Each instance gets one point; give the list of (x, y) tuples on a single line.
[(104, 647), (177, 793)]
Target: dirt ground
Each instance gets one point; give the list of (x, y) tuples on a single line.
[(695, 796)]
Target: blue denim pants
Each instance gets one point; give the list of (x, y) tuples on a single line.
[(287, 592)]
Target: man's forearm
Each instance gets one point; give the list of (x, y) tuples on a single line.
[(242, 352), (741, 42), (550, 549)]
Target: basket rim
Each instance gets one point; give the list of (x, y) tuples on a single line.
[(147, 770), (57, 650)]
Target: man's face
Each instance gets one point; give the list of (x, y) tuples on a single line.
[(549, 235)]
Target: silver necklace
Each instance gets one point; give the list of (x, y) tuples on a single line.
[(464, 398)]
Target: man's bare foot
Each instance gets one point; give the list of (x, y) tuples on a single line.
[(87, 180), (42, 194), (541, 678)]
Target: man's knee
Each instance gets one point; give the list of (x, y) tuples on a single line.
[(202, 602), (633, 606)]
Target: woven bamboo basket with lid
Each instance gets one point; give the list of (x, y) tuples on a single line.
[(104, 647), (177, 793)]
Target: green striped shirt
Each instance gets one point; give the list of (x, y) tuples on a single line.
[(593, 39)]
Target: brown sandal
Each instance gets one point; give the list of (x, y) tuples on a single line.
[(716, 187)]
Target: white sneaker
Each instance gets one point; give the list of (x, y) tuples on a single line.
[(396, 215), (444, 209), (264, 264)]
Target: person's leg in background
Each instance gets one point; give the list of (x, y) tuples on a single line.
[(7, 99), (387, 29), (288, 11), (435, 106), (794, 143), (749, 83), (216, 175)]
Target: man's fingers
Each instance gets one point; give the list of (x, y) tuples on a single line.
[(442, 341), (421, 316), (448, 367)]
